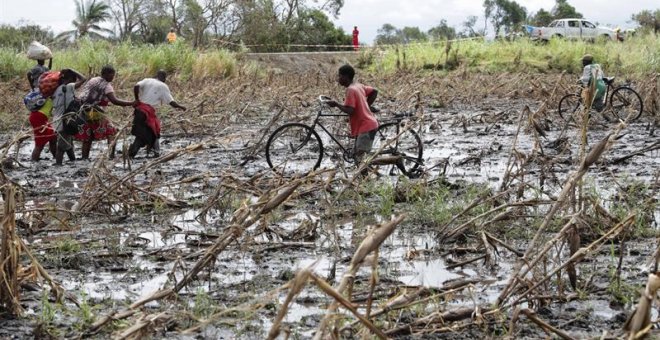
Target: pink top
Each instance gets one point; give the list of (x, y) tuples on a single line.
[(95, 91), (362, 120)]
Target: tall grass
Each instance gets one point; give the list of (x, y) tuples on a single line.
[(132, 61), (636, 56), (12, 64)]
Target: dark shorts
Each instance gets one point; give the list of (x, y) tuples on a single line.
[(365, 141), (141, 130)]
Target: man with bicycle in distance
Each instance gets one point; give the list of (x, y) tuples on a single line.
[(357, 105), (591, 72)]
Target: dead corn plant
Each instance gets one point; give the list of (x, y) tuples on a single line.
[(243, 218), (368, 245), (10, 249)]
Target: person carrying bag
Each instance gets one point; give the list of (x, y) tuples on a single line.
[(66, 113)]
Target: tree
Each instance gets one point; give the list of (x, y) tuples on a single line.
[(648, 20), (541, 18), (489, 6), (89, 16), (261, 25), (314, 27), (469, 25), (442, 31), (222, 17), (563, 10), (127, 15), (388, 35), (154, 22), (507, 15), (194, 21), (277, 23), (332, 6), (412, 34), (19, 37)]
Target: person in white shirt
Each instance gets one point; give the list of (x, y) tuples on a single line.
[(150, 94)]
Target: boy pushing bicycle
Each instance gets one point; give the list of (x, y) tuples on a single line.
[(357, 105)]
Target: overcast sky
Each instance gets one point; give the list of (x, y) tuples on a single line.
[(368, 15)]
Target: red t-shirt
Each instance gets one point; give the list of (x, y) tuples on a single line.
[(362, 120)]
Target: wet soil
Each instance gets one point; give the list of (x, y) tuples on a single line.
[(119, 253)]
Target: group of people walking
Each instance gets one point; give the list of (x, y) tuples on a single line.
[(65, 106)]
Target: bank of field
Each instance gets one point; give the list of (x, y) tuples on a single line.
[(637, 56), (132, 61)]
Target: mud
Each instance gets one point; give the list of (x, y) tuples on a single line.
[(120, 253)]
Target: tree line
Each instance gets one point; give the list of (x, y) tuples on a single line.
[(273, 25), (269, 23), (506, 17)]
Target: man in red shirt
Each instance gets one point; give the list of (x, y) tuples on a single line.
[(359, 98), (355, 38)]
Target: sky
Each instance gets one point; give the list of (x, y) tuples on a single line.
[(368, 15)]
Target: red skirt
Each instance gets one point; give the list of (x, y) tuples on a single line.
[(96, 130), (43, 130)]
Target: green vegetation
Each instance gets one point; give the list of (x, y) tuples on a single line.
[(436, 204), (48, 310), (89, 16), (85, 313), (131, 61), (639, 55), (204, 305), (561, 10)]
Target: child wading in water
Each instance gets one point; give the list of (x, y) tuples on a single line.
[(359, 99)]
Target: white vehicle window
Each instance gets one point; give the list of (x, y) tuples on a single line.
[(559, 24), (573, 23), (587, 24), (553, 24)]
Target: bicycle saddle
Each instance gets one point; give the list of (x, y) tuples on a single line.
[(608, 80)]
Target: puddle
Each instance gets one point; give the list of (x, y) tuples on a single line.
[(431, 274), (153, 240)]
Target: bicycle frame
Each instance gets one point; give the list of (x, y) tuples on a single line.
[(346, 151), (405, 161), (606, 97)]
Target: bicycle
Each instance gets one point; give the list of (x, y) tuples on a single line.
[(623, 101), (297, 148)]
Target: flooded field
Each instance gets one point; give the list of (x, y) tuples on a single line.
[(206, 241)]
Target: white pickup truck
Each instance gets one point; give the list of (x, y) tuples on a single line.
[(572, 29)]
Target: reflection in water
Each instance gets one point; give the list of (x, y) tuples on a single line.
[(426, 273)]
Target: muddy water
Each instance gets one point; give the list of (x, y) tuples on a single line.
[(127, 256)]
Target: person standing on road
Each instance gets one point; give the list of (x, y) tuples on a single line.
[(359, 99), (150, 94), (171, 36), (36, 72), (593, 72), (356, 42)]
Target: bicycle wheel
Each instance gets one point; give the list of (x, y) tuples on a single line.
[(294, 149), (569, 105), (408, 145), (626, 104)]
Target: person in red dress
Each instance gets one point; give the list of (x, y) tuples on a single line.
[(356, 42), (98, 91)]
